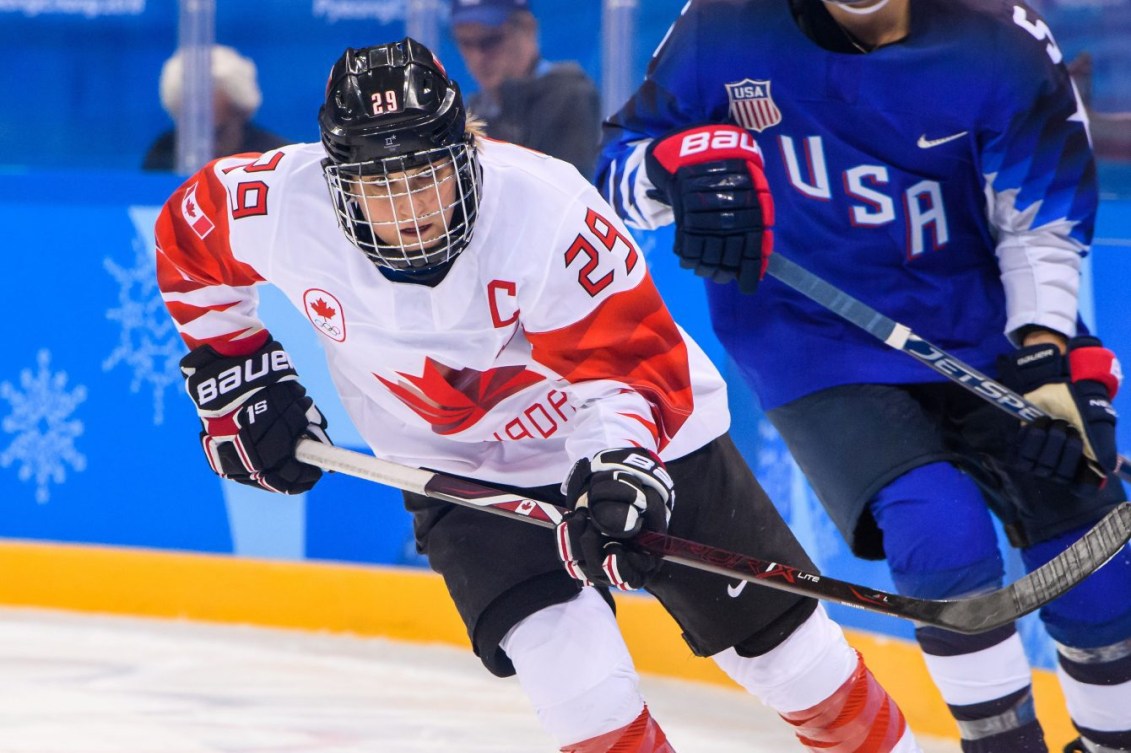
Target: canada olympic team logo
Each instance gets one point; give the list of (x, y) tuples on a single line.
[(194, 215), (325, 313)]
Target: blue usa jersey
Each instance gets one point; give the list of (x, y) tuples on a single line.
[(946, 180)]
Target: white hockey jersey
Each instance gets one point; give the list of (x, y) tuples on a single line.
[(546, 342)]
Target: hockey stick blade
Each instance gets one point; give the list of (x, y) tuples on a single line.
[(972, 614), (900, 337)]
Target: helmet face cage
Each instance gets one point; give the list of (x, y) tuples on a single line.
[(401, 168), (411, 212)]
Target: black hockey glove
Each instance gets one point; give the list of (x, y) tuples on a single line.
[(712, 178), (1076, 443), (253, 411), (612, 498)]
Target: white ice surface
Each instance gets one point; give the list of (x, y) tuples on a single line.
[(73, 683)]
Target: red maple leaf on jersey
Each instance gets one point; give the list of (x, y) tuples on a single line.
[(453, 401), (323, 309), (190, 208)]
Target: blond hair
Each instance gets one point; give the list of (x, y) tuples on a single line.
[(232, 73), (475, 127)]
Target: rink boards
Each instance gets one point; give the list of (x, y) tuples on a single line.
[(400, 603)]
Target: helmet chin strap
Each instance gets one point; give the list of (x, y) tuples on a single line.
[(848, 6)]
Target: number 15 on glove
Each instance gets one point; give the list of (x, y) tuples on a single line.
[(252, 412)]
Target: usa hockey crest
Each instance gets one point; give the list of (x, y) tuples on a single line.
[(751, 104), (325, 313)]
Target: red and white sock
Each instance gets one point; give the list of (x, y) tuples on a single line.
[(642, 736), (860, 717), (820, 685)]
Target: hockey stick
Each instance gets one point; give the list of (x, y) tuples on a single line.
[(972, 614), (900, 337)]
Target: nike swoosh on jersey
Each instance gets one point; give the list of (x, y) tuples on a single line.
[(926, 143), (734, 589)]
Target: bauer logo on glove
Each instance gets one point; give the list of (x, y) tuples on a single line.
[(231, 381), (712, 177), (614, 497), (1076, 441), (253, 411)]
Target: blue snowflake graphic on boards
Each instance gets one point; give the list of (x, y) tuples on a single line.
[(148, 344), (42, 426)]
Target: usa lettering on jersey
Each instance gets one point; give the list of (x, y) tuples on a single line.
[(871, 202)]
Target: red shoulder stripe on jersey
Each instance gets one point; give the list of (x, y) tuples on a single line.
[(193, 235), (184, 313), (194, 254), (233, 344), (170, 279), (631, 338)]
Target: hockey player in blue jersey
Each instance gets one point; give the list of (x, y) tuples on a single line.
[(932, 159)]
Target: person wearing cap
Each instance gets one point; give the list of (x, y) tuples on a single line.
[(235, 99), (552, 107)]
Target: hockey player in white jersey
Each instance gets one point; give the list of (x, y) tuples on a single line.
[(484, 313)]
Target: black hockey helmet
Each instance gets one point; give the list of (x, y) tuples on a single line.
[(389, 101), (391, 110)]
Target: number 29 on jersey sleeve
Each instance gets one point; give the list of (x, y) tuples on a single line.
[(590, 258)]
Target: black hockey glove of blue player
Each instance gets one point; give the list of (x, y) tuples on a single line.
[(612, 498), (1076, 442), (712, 178), (253, 412)]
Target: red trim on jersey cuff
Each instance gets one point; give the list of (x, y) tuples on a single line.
[(1097, 364)]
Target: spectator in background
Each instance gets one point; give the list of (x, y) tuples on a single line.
[(1111, 131), (235, 99), (551, 107), (1092, 35)]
